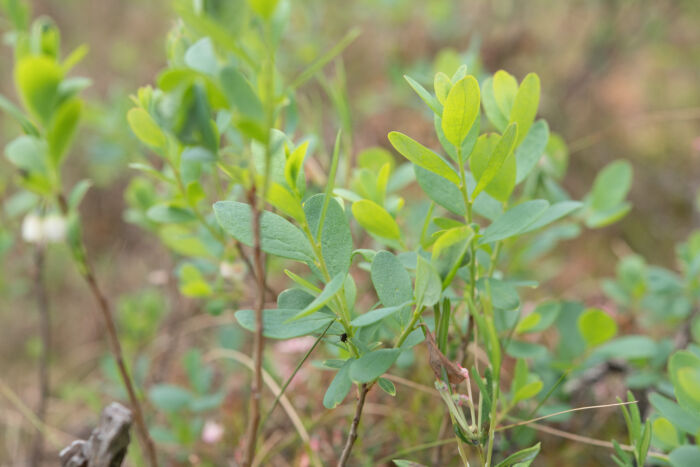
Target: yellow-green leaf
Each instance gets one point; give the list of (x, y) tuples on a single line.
[(375, 219), (422, 156), (461, 108), (145, 128), (525, 106)]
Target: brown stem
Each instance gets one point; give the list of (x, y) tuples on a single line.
[(258, 339), (45, 331), (352, 436), (116, 348)]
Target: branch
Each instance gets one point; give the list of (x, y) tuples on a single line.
[(107, 444), (352, 436)]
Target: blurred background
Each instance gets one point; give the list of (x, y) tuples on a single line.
[(619, 80)]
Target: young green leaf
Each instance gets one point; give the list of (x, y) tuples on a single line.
[(422, 156), (145, 128), (501, 152), (329, 291), (505, 87), (442, 85), (554, 213), (460, 110), (278, 236), (493, 111), (525, 105), (684, 371), (375, 219), (502, 184), (527, 391), (372, 365), (611, 186), (428, 98), (62, 129), (387, 386), (522, 458), (450, 237), (596, 326), (37, 78)]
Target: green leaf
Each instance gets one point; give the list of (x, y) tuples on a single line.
[(442, 85), (596, 327), (681, 418), (279, 197), (391, 280), (428, 283), (422, 156), (451, 237), (461, 109), (264, 8), (170, 214), (376, 315), (525, 106), (278, 236), (528, 154), (684, 371), (169, 397), (501, 152), (37, 78), (336, 238), (375, 219), (339, 387), (522, 458), (328, 292), (145, 128), (276, 324), (554, 213), (373, 364), (493, 111), (201, 57), (387, 386), (440, 190), (665, 432), (62, 129), (527, 391), (611, 186), (598, 219), (515, 220), (293, 166), (240, 94), (502, 184), (17, 114), (685, 456), (628, 348), (428, 98), (546, 314), (28, 153), (505, 87)]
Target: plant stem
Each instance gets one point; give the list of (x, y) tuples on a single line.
[(257, 206), (88, 274), (45, 330), (352, 436)]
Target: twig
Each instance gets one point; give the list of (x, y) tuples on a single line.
[(269, 382), (352, 436), (88, 274), (577, 409), (45, 331), (258, 338), (47, 431)]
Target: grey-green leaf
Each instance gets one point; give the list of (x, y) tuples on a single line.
[(278, 236), (515, 220), (328, 292), (276, 324), (336, 239), (372, 365), (391, 280), (529, 152), (376, 315), (339, 387)]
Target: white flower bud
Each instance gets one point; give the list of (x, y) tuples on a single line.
[(55, 228), (232, 271), (32, 229)]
